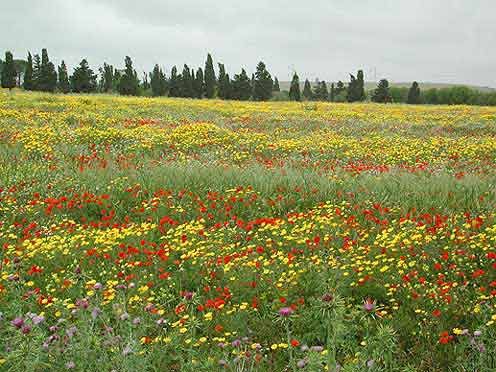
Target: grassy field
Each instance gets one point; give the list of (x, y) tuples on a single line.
[(187, 235)]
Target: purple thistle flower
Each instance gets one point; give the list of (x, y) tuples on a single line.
[(95, 312), (124, 316), (98, 286), (301, 363), (285, 312), (369, 305), (477, 333), (327, 297), (71, 331), (38, 319), (13, 278), (136, 321), (317, 349), (82, 303), (26, 329), (188, 295), (127, 350), (70, 365), (236, 343), (17, 322)]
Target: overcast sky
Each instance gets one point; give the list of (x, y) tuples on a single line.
[(450, 41)]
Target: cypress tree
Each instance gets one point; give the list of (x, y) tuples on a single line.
[(294, 89), (101, 82), (28, 74), (129, 82), (116, 80), (186, 87), (241, 86), (36, 71), (263, 83), (9, 73), (381, 93), (414, 94), (224, 83), (340, 88), (47, 78), (321, 93), (307, 91), (108, 77), (174, 83), (356, 88), (252, 83), (63, 85), (83, 80), (351, 95), (157, 82), (332, 93), (145, 84), (360, 88), (276, 87), (210, 81), (199, 85)]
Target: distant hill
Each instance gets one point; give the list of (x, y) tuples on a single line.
[(369, 85)]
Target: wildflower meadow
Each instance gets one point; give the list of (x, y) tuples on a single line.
[(168, 234)]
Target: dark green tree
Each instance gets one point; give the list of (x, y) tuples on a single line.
[(174, 83), (129, 83), (224, 89), (320, 92), (263, 83), (186, 87), (351, 95), (210, 81), (332, 93), (108, 78), (356, 88), (252, 83), (63, 85), (431, 96), (36, 71), (414, 94), (83, 80), (9, 73), (381, 93), (307, 91), (276, 87), (158, 82), (360, 89), (47, 77), (294, 89), (116, 80), (28, 74), (241, 86), (145, 84), (199, 85)]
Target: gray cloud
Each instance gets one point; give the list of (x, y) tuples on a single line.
[(450, 41)]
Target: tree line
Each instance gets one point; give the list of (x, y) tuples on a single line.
[(38, 73)]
